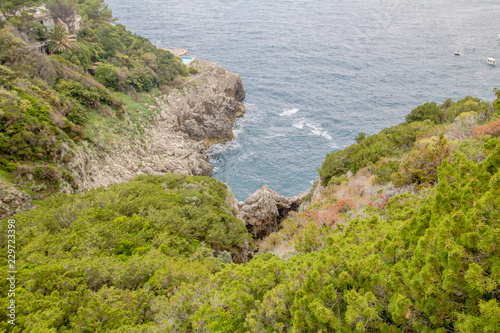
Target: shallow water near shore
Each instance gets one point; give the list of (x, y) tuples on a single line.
[(318, 72)]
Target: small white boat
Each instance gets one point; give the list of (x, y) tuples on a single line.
[(457, 52), (491, 61)]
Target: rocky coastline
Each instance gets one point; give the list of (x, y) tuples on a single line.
[(190, 119)]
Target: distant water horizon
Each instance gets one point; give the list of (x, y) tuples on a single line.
[(318, 72)]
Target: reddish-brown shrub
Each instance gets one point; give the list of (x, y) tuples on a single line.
[(331, 215), (380, 203), (492, 129)]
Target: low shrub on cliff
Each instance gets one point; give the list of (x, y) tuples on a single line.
[(492, 130), (168, 211), (468, 104), (107, 75), (428, 111), (420, 165)]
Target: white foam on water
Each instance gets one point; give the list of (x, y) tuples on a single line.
[(299, 125), (275, 132), (238, 129), (326, 136), (274, 135), (245, 157), (315, 129), (288, 112)]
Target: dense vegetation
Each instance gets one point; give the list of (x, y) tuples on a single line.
[(167, 254), (395, 141), (117, 248), (47, 94)]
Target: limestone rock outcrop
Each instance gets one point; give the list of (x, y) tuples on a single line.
[(190, 119), (207, 107), (264, 211)]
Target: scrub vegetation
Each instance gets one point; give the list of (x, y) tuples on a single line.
[(402, 233)]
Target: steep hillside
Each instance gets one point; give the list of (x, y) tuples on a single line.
[(103, 106)]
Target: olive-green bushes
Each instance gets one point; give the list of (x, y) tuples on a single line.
[(419, 265), (149, 255), (390, 142), (428, 111), (99, 260), (45, 102), (393, 142), (420, 165)]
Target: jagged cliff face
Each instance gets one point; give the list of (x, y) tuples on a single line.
[(191, 119), (208, 106)]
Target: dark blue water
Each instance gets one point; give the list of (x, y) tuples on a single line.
[(318, 72)]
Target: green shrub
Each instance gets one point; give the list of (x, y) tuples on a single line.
[(468, 104), (192, 71), (427, 111), (78, 114), (142, 78), (421, 164), (384, 169), (225, 257), (83, 55), (107, 75), (360, 137)]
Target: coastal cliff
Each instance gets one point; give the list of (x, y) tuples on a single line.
[(182, 123), (189, 120)]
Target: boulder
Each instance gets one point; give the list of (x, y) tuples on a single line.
[(207, 106), (263, 211)]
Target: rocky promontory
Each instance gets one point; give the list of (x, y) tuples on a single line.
[(189, 120)]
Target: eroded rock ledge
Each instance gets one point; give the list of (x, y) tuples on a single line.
[(191, 119), (264, 211)]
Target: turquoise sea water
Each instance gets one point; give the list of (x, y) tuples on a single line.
[(318, 72)]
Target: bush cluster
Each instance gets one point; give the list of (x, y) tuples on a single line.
[(390, 142), (394, 142), (46, 100), (110, 247)]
